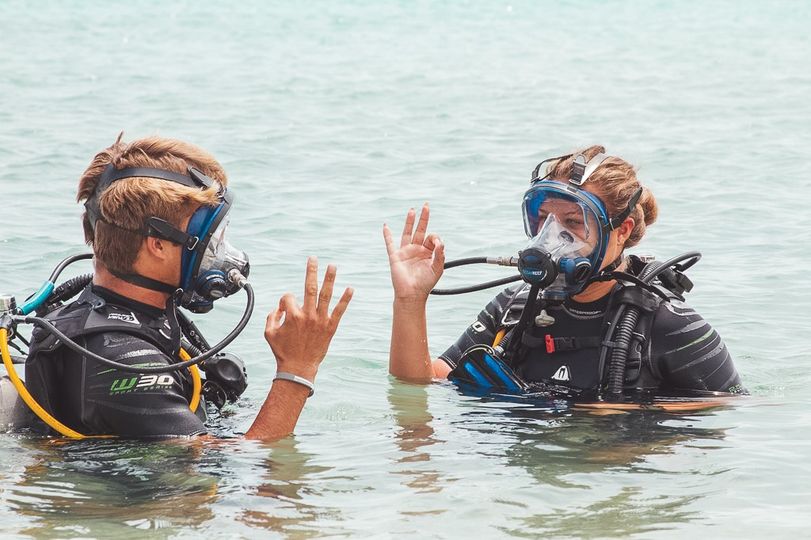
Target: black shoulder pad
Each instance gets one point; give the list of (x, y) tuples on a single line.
[(514, 308), (639, 297)]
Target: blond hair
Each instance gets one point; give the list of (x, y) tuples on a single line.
[(127, 204), (614, 182)]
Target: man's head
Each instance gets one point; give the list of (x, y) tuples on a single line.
[(157, 215), (117, 238)]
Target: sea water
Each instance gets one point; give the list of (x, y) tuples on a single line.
[(334, 118)]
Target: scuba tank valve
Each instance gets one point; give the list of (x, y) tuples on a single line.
[(8, 304)]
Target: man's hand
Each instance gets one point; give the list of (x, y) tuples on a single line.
[(299, 335)]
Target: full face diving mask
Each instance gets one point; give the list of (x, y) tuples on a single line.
[(208, 274), (569, 229), (211, 268)]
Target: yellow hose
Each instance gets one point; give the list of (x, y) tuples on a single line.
[(197, 384), (58, 426), (499, 336), (28, 398)]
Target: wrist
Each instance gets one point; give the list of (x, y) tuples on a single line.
[(295, 368), (295, 379), (411, 303)]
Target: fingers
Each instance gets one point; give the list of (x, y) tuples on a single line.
[(437, 247), (438, 262), (410, 236), (341, 306), (388, 240), (422, 226), (431, 241), (287, 303), (325, 295), (408, 228), (272, 323), (311, 285)]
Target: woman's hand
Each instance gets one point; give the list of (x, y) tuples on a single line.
[(417, 264), (300, 335)]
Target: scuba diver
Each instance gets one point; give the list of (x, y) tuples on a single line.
[(116, 361), (589, 323)]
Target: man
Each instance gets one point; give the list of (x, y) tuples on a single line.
[(156, 219)]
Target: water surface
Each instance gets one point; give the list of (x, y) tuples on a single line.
[(334, 118)]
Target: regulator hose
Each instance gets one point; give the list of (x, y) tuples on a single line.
[(500, 261), (474, 288), (465, 261), (40, 297), (619, 354), (67, 290), (67, 262)]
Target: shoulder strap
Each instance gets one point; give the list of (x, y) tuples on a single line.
[(90, 314), (514, 307)]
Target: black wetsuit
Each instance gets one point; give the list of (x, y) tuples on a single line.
[(682, 353), (95, 399)]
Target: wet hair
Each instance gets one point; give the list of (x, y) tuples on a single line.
[(614, 182), (127, 204)]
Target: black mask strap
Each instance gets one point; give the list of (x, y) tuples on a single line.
[(145, 282), (194, 179), (617, 220), (174, 325)]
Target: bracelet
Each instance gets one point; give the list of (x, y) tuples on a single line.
[(296, 379)]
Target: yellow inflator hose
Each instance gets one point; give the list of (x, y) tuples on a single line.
[(197, 384), (28, 398), (58, 426)]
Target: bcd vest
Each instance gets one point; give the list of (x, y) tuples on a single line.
[(90, 314), (570, 363)]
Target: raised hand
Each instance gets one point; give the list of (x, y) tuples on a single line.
[(300, 335), (417, 264)]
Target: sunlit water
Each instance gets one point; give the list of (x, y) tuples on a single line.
[(333, 119)]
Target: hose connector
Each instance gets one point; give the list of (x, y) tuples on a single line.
[(236, 277), (503, 261), (8, 306)]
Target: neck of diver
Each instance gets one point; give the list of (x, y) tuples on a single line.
[(103, 278)]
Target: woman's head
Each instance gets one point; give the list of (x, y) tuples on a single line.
[(614, 181)]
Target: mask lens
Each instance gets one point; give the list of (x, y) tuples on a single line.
[(570, 213), (221, 255)]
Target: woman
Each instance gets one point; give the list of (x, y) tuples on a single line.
[(565, 332)]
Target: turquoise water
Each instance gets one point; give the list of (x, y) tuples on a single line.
[(332, 119)]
